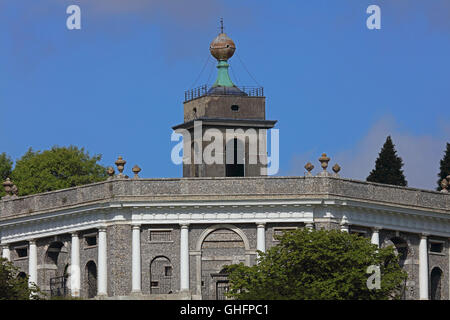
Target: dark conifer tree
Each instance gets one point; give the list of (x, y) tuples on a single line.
[(445, 167), (388, 166)]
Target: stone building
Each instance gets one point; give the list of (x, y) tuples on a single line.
[(170, 238)]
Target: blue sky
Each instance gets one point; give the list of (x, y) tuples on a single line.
[(116, 86)]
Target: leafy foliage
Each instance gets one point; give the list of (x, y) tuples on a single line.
[(14, 287), (317, 264), (58, 168), (445, 167), (5, 170), (388, 166)]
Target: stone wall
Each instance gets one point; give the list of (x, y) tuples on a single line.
[(224, 188)]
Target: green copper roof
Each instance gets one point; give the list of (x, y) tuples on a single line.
[(223, 78)]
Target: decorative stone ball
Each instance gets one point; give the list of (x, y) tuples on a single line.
[(309, 166), (110, 171), (336, 168), (222, 47)]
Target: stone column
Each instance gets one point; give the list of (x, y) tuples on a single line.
[(184, 257), (261, 237), (6, 253), (32, 263), (375, 236), (423, 267), (102, 276), (75, 277), (136, 259)]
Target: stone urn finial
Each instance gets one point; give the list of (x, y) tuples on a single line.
[(8, 186), (336, 168), (120, 163), (444, 185), (324, 161), (309, 167), (136, 171)]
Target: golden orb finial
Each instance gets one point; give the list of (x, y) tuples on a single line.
[(222, 47)]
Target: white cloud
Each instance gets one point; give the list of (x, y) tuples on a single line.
[(420, 153)]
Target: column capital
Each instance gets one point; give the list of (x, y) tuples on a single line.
[(32, 241), (102, 229), (260, 224), (5, 245), (184, 225), (75, 234), (136, 226), (424, 235), (376, 229)]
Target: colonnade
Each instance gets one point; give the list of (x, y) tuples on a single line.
[(75, 278)]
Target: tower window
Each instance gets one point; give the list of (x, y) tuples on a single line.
[(235, 154), (235, 107)]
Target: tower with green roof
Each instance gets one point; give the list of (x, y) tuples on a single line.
[(225, 106)]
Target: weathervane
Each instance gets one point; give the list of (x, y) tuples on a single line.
[(221, 25)]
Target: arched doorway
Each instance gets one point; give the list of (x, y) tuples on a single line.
[(436, 284), (55, 270), (91, 279), (161, 271), (221, 246)]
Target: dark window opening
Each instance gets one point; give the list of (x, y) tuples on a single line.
[(235, 107), (22, 252), (235, 169), (154, 284), (91, 241), (168, 271), (436, 247)]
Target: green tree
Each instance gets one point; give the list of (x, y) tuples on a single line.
[(388, 166), (13, 286), (317, 265), (58, 168), (445, 167), (5, 170)]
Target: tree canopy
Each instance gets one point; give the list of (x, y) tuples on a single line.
[(318, 265), (5, 169), (445, 167), (388, 166), (57, 168), (13, 286)]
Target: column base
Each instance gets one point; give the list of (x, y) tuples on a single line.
[(136, 293)]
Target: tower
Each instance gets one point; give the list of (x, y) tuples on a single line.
[(224, 128)]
